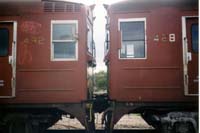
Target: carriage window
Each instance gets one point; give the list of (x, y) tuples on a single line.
[(89, 40), (4, 41), (107, 42), (133, 39), (195, 39), (64, 42)]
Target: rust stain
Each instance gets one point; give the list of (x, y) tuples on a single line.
[(34, 40), (31, 27), (33, 33), (26, 56)]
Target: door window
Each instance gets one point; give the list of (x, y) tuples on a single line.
[(195, 39), (4, 41)]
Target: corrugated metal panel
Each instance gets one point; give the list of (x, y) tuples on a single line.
[(61, 7)]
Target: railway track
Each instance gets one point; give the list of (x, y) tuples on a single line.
[(101, 131)]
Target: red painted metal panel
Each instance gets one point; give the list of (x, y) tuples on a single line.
[(38, 79), (159, 77)]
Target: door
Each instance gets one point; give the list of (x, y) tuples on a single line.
[(6, 39), (192, 35)]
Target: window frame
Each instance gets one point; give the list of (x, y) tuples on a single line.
[(145, 40), (76, 40)]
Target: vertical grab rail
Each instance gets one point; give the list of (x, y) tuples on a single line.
[(186, 50), (185, 64)]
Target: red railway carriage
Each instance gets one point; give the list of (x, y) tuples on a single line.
[(152, 58), (46, 57)]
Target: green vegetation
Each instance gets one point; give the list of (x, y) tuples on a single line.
[(101, 81)]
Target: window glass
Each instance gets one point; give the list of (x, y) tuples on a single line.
[(107, 40), (133, 39), (64, 31), (133, 49), (107, 43), (132, 31), (89, 40), (64, 50), (4, 41), (195, 38)]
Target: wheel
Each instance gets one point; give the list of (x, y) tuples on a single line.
[(20, 126), (108, 122), (166, 128), (90, 123), (183, 128)]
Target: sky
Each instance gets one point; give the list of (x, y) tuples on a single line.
[(99, 35), (99, 29)]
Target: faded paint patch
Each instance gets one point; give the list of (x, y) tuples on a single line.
[(31, 27)]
